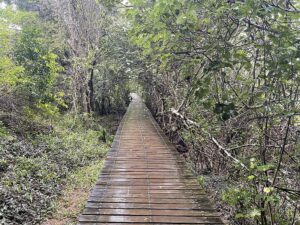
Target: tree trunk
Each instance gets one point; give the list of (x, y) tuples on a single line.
[(91, 92)]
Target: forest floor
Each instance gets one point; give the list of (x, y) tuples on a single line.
[(74, 197), (79, 184), (214, 187), (48, 165)]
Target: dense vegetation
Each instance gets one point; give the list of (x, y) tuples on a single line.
[(53, 89), (220, 76)]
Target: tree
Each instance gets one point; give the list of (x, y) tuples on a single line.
[(223, 78), (82, 23), (40, 67)]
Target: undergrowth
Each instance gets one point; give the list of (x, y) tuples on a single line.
[(36, 166), (74, 197)]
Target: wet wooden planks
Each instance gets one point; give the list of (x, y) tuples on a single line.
[(144, 181)]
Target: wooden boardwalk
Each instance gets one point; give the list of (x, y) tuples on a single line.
[(144, 181)]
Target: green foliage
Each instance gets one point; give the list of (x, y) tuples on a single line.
[(28, 66), (201, 180), (10, 22), (39, 63), (3, 130), (33, 170), (225, 110), (113, 75), (247, 197), (39, 146), (9, 72), (85, 177), (75, 194), (231, 70)]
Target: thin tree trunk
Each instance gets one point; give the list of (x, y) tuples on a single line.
[(91, 91)]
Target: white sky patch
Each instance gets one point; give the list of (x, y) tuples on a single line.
[(3, 5), (14, 7)]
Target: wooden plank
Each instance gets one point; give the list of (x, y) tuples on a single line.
[(145, 181), (150, 219), (150, 212), (126, 205)]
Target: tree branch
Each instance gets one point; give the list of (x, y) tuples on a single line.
[(188, 122)]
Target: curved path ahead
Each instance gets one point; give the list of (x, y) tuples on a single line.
[(144, 181)]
